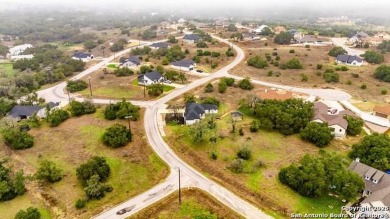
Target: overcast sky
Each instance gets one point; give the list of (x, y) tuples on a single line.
[(369, 8)]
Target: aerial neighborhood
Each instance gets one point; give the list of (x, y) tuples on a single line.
[(142, 111)]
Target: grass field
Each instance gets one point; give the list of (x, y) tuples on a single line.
[(258, 185), (134, 168), (195, 204), (7, 69)]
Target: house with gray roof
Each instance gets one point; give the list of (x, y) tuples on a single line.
[(334, 118), (150, 78), (376, 189), (20, 112), (194, 112), (191, 38), (349, 60), (160, 45), (82, 56), (131, 62), (184, 65)]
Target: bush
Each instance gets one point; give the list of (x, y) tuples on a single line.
[(116, 136), (241, 132), (304, 78), (274, 53), (337, 51), (57, 116), (48, 171), (331, 76), (363, 86), (307, 46), (17, 139), (215, 54), (80, 203), (355, 125), (293, 64), (257, 62), (292, 51), (94, 189), (373, 57), (82, 108), (384, 92), (383, 73), (12, 185), (213, 155), (283, 38), (201, 44), (229, 52), (75, 86), (317, 133), (237, 166), (355, 75), (229, 81), (155, 90), (94, 166), (210, 100), (30, 213), (222, 86), (244, 153), (254, 127), (319, 66), (270, 73), (121, 72), (245, 84), (209, 88), (121, 110)]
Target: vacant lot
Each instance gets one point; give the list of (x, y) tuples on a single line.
[(258, 185), (194, 203), (350, 81), (134, 168), (111, 86), (7, 69)]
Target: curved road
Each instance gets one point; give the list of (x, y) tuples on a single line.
[(189, 176)]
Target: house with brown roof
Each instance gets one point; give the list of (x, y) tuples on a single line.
[(275, 95), (377, 186), (382, 111), (333, 117)]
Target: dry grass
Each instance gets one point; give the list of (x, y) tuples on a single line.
[(134, 168), (193, 201), (310, 57)]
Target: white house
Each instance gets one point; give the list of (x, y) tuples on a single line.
[(131, 62), (160, 45), (333, 117), (349, 60), (260, 29), (250, 37), (15, 58), (18, 50), (183, 65), (85, 57), (150, 78), (191, 38), (194, 112)]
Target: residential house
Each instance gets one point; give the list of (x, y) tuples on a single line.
[(260, 29), (184, 65), (333, 117), (312, 40), (382, 111), (18, 50), (15, 58), (275, 95), (82, 56), (194, 112), (296, 34), (160, 45), (191, 38), (376, 191), (150, 78), (20, 112), (131, 62), (349, 60), (250, 37), (358, 39)]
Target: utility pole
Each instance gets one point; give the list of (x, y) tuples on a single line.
[(144, 90), (90, 86), (178, 169), (128, 118)]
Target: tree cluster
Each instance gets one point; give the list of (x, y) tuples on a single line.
[(12, 184), (121, 110), (116, 136), (29, 213), (294, 63), (384, 46), (331, 76), (75, 86), (245, 84), (383, 73), (257, 62), (317, 133), (355, 125), (121, 72), (118, 46), (337, 51), (373, 57), (56, 117), (283, 38), (155, 90), (48, 171), (17, 139), (316, 177), (81, 108)]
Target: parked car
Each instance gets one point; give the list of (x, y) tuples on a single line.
[(200, 71), (168, 81)]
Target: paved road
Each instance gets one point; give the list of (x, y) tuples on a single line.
[(351, 51)]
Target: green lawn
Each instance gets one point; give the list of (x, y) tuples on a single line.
[(10, 208), (8, 69), (114, 66)]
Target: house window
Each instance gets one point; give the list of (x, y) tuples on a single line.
[(340, 130)]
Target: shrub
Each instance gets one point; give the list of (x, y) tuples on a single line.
[(215, 54), (383, 73), (317, 133), (125, 71), (229, 52), (293, 64), (12, 185), (229, 81), (222, 86), (57, 116), (17, 139), (30, 213), (94, 189), (373, 57), (201, 44), (80, 203), (245, 84), (384, 92), (121, 110), (355, 75), (94, 166), (81, 108), (237, 166), (270, 73), (337, 51), (155, 90), (319, 66), (292, 51), (304, 78), (307, 46), (116, 136), (244, 153), (210, 100), (277, 58), (48, 171), (75, 86), (213, 155), (349, 82), (257, 62), (209, 88), (274, 53), (363, 86), (254, 127), (241, 132), (331, 76)]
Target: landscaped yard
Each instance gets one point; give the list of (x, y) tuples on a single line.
[(134, 168), (195, 203), (7, 69), (271, 151)]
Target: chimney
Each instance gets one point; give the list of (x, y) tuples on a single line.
[(357, 160)]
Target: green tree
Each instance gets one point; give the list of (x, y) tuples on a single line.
[(209, 88), (337, 51), (116, 136), (283, 38), (245, 84), (57, 116), (11, 185), (267, 32), (172, 39), (121, 72), (257, 62), (331, 76), (383, 73), (210, 100), (121, 110), (373, 150), (294, 64), (81, 108), (94, 166), (222, 86), (189, 98), (90, 44), (229, 81), (317, 133), (155, 90), (355, 125), (373, 57), (30, 213), (75, 86), (201, 44), (17, 139), (49, 171), (94, 188), (232, 28), (3, 50), (244, 153)]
